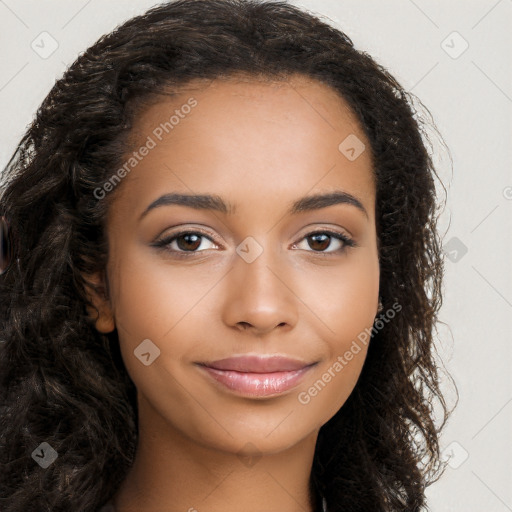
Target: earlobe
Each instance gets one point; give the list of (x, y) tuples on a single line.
[(97, 293), (105, 321)]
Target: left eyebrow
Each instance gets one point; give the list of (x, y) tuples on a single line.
[(315, 202), (215, 202)]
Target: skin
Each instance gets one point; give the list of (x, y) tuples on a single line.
[(260, 146)]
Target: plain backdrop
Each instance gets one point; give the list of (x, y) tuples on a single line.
[(456, 57)]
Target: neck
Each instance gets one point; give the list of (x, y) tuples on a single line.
[(174, 473)]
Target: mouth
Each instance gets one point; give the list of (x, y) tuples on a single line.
[(257, 376)]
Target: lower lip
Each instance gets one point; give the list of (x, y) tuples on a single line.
[(258, 384)]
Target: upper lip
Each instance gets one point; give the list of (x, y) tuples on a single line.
[(257, 364)]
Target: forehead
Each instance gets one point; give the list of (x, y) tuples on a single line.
[(296, 105), (250, 138)]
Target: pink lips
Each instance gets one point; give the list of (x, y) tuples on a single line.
[(257, 375)]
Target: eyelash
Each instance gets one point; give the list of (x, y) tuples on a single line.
[(164, 242)]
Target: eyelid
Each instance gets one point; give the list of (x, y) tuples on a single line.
[(346, 240), (163, 241)]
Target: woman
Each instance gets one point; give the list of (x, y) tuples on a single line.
[(221, 275)]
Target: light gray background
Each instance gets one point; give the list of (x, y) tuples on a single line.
[(470, 97)]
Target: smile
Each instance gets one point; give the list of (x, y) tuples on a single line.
[(257, 376)]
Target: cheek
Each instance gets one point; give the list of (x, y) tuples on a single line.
[(150, 298), (157, 303), (347, 318), (163, 303), (333, 384), (343, 298), (344, 302)]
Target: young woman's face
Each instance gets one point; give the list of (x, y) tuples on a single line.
[(241, 275)]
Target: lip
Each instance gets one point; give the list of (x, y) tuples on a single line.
[(257, 364), (256, 375)]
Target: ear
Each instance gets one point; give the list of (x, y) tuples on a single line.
[(98, 293)]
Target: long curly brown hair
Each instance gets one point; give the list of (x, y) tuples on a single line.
[(64, 383)]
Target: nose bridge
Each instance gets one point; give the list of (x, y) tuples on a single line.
[(258, 293), (254, 266)]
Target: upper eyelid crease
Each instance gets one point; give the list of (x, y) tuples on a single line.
[(346, 240), (216, 203)]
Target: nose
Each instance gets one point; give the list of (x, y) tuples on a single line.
[(259, 295)]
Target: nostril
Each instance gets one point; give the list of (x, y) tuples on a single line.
[(5, 246)]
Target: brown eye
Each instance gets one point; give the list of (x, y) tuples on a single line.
[(188, 241), (5, 246), (184, 243), (319, 241)]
